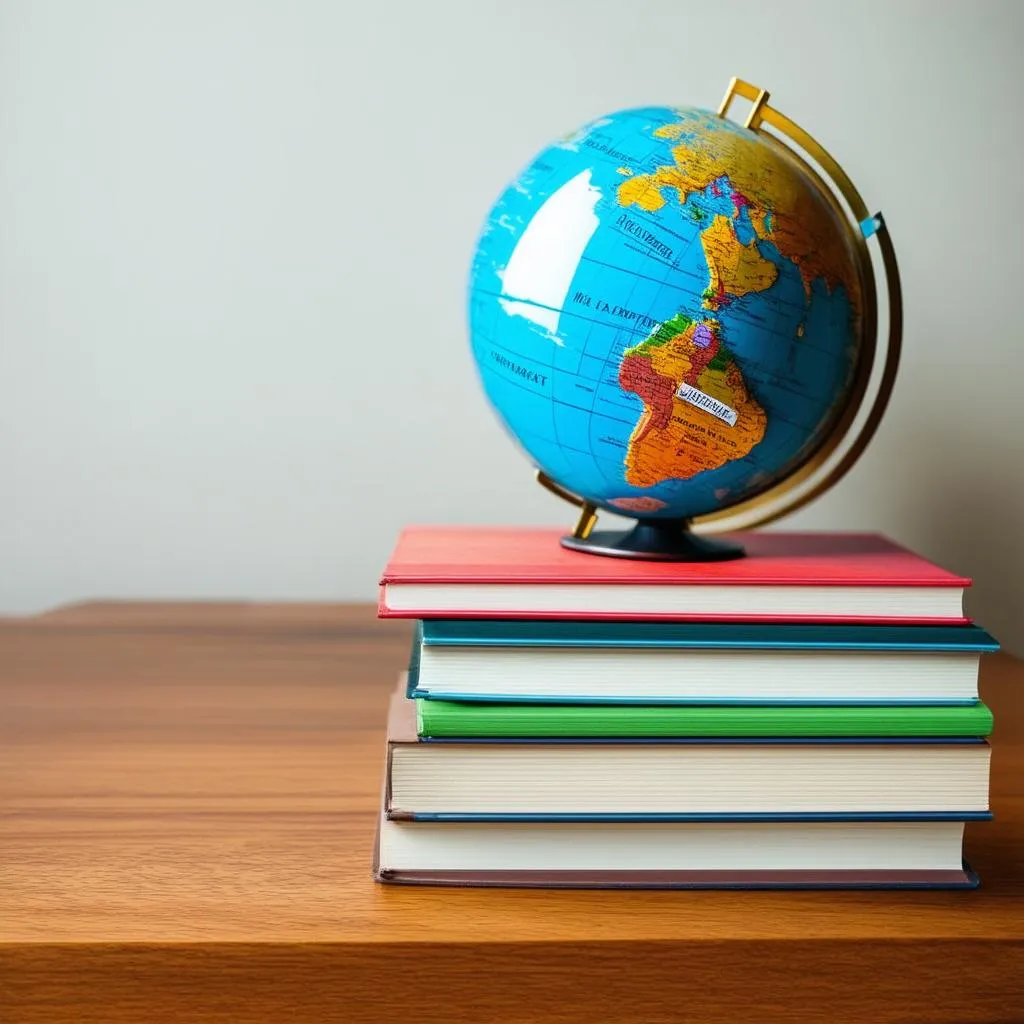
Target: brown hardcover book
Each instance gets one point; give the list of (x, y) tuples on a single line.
[(417, 858)]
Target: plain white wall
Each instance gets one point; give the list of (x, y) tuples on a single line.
[(234, 239)]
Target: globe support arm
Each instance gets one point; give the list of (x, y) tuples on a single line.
[(588, 511)]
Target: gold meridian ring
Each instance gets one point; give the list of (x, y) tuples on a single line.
[(756, 511)]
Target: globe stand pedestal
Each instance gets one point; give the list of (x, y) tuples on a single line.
[(655, 540)]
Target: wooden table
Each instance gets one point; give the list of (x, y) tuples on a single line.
[(187, 799)]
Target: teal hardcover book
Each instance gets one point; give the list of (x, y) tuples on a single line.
[(647, 663), (701, 635)]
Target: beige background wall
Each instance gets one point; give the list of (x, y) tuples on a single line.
[(234, 239)]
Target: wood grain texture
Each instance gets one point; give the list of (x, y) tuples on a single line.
[(187, 800)]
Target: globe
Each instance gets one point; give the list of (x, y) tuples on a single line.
[(666, 312)]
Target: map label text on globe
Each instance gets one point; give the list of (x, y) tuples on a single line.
[(701, 399), (520, 371), (599, 305), (649, 238)]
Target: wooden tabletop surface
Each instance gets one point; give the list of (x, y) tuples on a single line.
[(187, 804)]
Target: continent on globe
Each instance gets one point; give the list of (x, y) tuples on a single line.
[(759, 181), (677, 438), (639, 504), (734, 269)]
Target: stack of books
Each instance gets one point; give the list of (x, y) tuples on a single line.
[(807, 716)]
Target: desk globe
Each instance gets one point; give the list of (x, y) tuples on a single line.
[(675, 316)]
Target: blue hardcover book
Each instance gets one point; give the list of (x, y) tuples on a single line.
[(565, 662)]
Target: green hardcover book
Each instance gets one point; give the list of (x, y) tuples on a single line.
[(439, 719)]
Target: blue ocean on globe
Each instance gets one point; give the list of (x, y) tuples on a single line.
[(665, 311)]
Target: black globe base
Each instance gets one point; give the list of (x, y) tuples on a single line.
[(655, 540)]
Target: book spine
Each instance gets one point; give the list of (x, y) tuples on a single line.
[(766, 817), (754, 880)]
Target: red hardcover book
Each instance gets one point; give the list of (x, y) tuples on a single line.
[(523, 572)]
